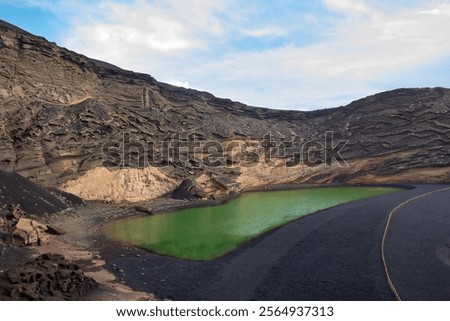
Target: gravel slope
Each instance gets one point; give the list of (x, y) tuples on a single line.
[(33, 199)]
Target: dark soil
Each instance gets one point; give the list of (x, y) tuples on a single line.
[(33, 199)]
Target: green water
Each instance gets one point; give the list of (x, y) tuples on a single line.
[(206, 233)]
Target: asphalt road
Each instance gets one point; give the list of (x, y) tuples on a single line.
[(331, 255)]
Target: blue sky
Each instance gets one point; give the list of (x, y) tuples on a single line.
[(286, 54)]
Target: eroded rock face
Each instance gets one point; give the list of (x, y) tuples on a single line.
[(122, 184), (48, 277), (64, 117)]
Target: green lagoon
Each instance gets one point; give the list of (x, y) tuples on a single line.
[(206, 233)]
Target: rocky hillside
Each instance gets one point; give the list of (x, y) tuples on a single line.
[(101, 132)]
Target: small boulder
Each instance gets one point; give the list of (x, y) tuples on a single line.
[(142, 209), (189, 189), (15, 212)]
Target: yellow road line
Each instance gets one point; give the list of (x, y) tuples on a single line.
[(383, 240)]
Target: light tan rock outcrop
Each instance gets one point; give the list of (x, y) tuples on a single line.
[(123, 184), (29, 232)]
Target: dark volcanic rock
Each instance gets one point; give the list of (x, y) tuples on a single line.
[(60, 110), (48, 277)]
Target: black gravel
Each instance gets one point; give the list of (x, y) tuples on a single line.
[(33, 199)]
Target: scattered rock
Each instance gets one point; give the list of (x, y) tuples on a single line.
[(67, 198), (48, 277)]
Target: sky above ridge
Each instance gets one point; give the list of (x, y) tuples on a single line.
[(285, 54)]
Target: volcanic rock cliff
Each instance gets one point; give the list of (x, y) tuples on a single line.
[(102, 132)]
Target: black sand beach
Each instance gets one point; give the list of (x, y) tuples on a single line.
[(331, 255)]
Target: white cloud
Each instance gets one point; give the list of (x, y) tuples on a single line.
[(265, 32), (348, 6), (140, 25), (178, 83), (190, 43)]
